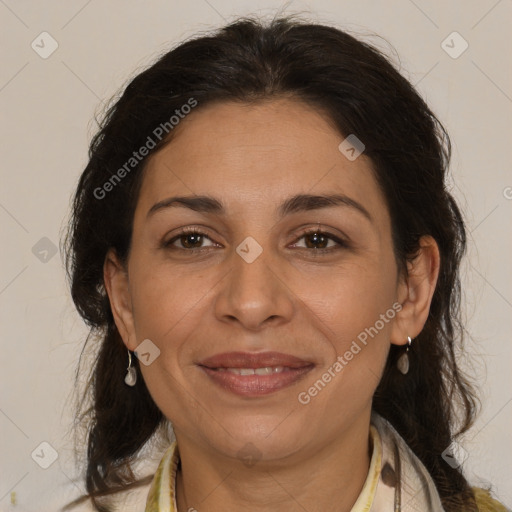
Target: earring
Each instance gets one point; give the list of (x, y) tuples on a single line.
[(131, 372), (403, 361)]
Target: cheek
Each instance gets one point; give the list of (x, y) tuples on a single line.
[(352, 299), (169, 303), (163, 298), (357, 315), (168, 308)]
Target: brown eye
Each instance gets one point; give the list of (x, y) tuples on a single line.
[(189, 240), (316, 241), (321, 241)]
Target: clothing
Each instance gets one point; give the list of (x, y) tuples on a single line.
[(397, 480)]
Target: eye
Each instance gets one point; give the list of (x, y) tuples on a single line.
[(192, 239), (188, 239), (321, 241)]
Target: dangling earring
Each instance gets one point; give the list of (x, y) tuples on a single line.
[(403, 361), (131, 373)]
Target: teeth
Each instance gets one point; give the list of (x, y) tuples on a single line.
[(268, 370), (263, 371)]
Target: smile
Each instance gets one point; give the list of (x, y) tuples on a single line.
[(254, 371), (255, 382)]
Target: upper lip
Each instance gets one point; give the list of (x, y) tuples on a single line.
[(253, 360)]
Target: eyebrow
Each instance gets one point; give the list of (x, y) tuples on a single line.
[(294, 204)]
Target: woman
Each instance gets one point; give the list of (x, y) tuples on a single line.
[(264, 244)]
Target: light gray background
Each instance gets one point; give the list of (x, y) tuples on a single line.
[(48, 107)]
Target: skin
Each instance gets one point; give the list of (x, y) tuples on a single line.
[(293, 298)]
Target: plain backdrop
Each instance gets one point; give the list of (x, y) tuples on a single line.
[(48, 107)]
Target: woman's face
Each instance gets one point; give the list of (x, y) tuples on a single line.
[(252, 281)]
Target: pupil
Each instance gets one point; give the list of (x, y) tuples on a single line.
[(195, 240), (317, 239)]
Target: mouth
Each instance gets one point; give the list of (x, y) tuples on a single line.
[(255, 374)]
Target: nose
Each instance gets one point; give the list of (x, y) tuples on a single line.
[(255, 294)]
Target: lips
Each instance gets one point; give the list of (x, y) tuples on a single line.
[(254, 360), (252, 374)]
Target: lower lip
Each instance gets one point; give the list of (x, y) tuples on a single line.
[(256, 385)]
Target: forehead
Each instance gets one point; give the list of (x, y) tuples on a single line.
[(254, 154)]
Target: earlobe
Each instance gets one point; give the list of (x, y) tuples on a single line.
[(416, 290), (117, 286)]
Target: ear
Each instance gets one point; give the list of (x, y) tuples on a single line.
[(115, 276), (415, 292)]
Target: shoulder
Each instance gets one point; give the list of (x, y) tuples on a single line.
[(59, 497), (143, 467), (486, 503), (133, 500)]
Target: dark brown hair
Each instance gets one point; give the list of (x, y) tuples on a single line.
[(362, 93)]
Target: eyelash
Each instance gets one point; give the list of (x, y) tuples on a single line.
[(194, 231)]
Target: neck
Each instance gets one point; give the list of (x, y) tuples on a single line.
[(329, 479)]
